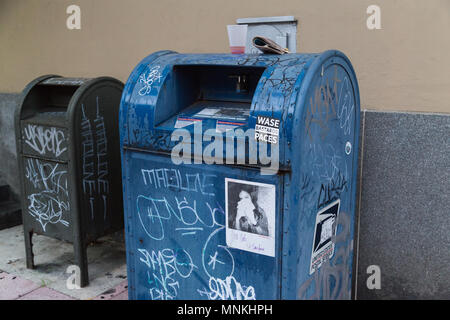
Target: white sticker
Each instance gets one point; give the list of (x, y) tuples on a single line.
[(184, 122), (250, 216), (228, 113), (348, 147), (267, 129), (224, 126), (325, 229)]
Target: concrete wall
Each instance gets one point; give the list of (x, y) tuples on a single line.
[(8, 158), (403, 66), (404, 211)]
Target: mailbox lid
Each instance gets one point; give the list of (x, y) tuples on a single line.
[(163, 87)]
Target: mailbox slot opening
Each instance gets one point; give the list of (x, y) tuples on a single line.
[(220, 85), (44, 99), (54, 98)]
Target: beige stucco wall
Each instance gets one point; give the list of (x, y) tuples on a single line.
[(403, 66)]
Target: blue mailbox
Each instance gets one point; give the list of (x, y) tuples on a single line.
[(239, 176)]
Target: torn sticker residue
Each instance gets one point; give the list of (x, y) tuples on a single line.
[(235, 114), (224, 126)]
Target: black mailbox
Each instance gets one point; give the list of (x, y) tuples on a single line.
[(69, 161)]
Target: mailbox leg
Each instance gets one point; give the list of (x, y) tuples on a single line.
[(29, 249), (81, 260)]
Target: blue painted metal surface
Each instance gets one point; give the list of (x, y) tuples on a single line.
[(175, 214)]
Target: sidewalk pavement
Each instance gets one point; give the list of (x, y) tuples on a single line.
[(48, 281), (16, 288)]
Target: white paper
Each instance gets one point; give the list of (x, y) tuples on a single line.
[(250, 216), (224, 113)]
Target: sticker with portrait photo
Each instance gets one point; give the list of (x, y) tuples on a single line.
[(250, 216)]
